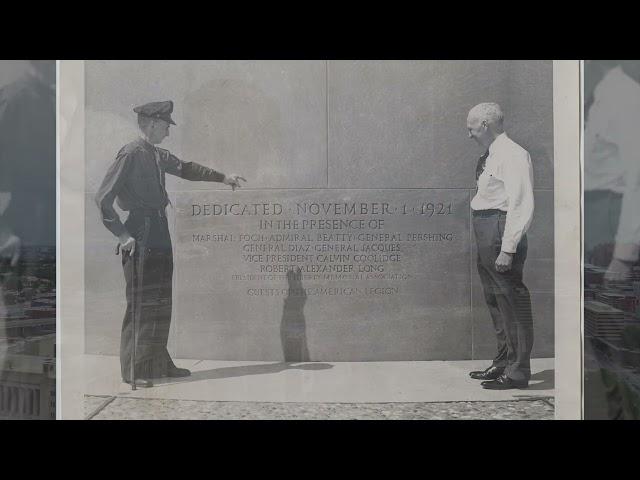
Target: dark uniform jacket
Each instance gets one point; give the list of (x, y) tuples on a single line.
[(136, 180)]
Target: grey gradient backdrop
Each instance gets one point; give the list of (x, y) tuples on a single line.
[(325, 128)]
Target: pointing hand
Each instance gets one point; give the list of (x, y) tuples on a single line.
[(233, 180)]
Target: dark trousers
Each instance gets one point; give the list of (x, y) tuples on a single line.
[(148, 274), (506, 295)]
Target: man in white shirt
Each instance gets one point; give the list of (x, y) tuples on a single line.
[(612, 171), (502, 212), (612, 225)]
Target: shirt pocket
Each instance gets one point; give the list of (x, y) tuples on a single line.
[(489, 183)]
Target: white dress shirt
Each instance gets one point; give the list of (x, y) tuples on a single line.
[(612, 153), (507, 184)]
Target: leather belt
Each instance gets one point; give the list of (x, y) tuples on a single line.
[(149, 212), (488, 213)]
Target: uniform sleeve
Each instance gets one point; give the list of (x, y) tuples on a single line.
[(108, 191), (190, 170), (628, 236), (518, 182)]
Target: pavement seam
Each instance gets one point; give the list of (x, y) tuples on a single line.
[(101, 407), (529, 399)]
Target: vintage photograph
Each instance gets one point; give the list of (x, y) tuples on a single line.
[(28, 240), (312, 240)]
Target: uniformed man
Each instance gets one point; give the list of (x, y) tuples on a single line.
[(136, 180), (502, 213)]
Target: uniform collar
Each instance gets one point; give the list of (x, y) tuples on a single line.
[(499, 140), (146, 142)]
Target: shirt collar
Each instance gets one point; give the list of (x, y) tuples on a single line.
[(499, 140)]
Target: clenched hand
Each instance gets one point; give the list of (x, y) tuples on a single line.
[(503, 262)]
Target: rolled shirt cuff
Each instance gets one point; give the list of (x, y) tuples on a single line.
[(508, 246), (627, 252)]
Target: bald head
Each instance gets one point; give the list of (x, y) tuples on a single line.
[(485, 123), (487, 112)]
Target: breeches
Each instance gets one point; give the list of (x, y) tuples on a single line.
[(148, 274)]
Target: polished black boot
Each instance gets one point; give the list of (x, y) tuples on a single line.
[(141, 382), (504, 383), (490, 373), (174, 371)]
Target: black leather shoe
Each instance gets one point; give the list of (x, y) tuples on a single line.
[(177, 372), (504, 383), (490, 373), (141, 382)]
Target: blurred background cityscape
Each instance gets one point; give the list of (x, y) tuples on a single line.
[(27, 239)]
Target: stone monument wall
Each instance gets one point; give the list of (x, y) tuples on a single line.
[(352, 239)]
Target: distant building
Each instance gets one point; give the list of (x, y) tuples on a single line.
[(28, 381), (604, 321), (622, 300)]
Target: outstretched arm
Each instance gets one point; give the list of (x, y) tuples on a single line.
[(199, 173)]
